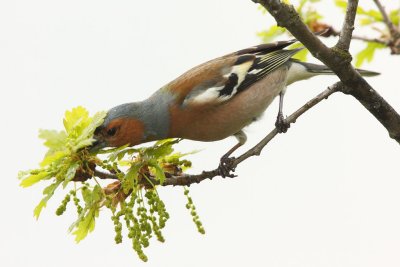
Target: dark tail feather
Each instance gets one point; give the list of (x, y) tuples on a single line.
[(322, 69), (367, 73)]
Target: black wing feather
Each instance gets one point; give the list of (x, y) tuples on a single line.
[(266, 48), (265, 64)]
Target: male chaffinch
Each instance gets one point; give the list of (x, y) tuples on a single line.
[(212, 101)]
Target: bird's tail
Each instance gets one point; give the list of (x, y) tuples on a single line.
[(322, 69)]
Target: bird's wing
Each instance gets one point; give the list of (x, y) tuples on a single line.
[(219, 80)]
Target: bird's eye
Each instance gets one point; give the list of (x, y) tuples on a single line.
[(111, 131)]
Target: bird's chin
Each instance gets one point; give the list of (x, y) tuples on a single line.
[(97, 145)]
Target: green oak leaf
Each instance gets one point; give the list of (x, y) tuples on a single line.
[(301, 55), (367, 54), (158, 171), (86, 225), (48, 192), (64, 156), (54, 140), (270, 34), (35, 178)]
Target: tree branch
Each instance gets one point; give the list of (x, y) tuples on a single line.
[(256, 150), (394, 42), (334, 32), (338, 60), (104, 175), (348, 26), (393, 31)]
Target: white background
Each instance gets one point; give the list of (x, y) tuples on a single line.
[(324, 194)]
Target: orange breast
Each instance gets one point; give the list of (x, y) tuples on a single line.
[(216, 121)]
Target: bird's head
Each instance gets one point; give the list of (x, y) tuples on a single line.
[(120, 127)]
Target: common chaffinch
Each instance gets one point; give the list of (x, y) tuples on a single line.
[(213, 100)]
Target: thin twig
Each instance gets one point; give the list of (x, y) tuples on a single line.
[(370, 40), (386, 19), (104, 175), (256, 150), (348, 26), (334, 32), (394, 42)]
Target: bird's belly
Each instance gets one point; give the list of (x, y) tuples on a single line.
[(215, 122)]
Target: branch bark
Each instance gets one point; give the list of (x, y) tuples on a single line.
[(386, 19), (348, 26), (334, 32), (394, 42), (338, 60), (104, 175)]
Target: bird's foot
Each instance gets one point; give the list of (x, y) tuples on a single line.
[(281, 124), (226, 167)]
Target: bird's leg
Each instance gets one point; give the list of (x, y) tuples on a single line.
[(281, 124), (226, 163)]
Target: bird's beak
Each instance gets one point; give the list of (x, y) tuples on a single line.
[(97, 145)]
